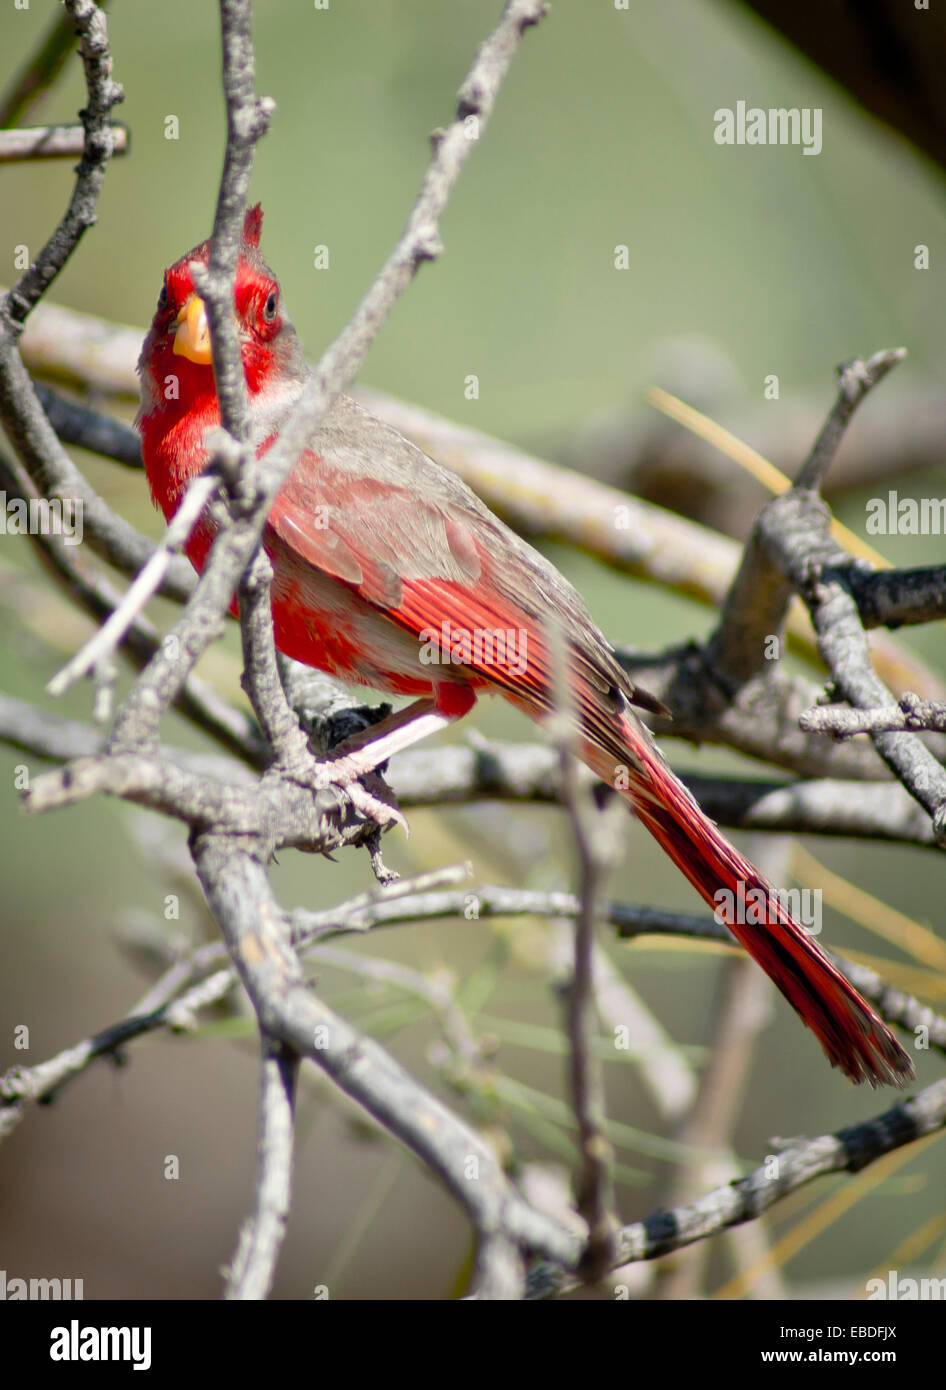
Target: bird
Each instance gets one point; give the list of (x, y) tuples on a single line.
[(389, 572)]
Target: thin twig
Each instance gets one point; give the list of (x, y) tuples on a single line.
[(855, 379), (52, 142), (24, 1086), (112, 633), (910, 712), (253, 1267), (756, 607), (794, 529), (94, 592), (103, 94), (41, 70), (596, 1188)]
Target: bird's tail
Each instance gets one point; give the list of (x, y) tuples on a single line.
[(849, 1030)]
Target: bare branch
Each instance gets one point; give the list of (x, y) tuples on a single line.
[(52, 142), (895, 598), (760, 719), (794, 529), (253, 1268), (24, 1086), (257, 935), (95, 593), (800, 1162), (41, 70), (757, 603), (529, 773), (855, 379), (791, 548), (105, 642), (595, 1188), (396, 903), (90, 429), (104, 94), (247, 122), (909, 712)]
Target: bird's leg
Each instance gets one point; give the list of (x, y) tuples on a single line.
[(365, 751)]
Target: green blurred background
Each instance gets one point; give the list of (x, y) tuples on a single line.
[(779, 263)]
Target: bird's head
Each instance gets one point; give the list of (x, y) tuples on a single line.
[(175, 363)]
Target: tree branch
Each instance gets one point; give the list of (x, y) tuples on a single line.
[(908, 713), (253, 1267), (89, 23), (855, 380), (256, 932), (794, 529), (52, 142), (529, 773), (757, 603), (799, 1162)]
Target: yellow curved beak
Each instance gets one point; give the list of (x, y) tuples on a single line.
[(192, 339)]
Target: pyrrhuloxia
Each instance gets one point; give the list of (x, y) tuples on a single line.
[(389, 572)]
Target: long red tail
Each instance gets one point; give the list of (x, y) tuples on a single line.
[(852, 1035)]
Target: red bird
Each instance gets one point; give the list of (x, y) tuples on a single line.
[(389, 572)]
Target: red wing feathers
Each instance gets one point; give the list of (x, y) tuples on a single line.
[(444, 575)]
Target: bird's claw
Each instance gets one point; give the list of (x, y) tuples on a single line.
[(345, 774), (376, 809)]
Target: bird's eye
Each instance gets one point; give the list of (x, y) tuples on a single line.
[(163, 297), (269, 308)]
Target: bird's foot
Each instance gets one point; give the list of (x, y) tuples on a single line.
[(368, 793), (353, 764)]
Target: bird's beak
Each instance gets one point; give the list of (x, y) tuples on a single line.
[(192, 339)]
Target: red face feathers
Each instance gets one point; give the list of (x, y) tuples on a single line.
[(175, 363)]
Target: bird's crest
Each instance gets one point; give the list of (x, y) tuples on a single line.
[(253, 225)]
